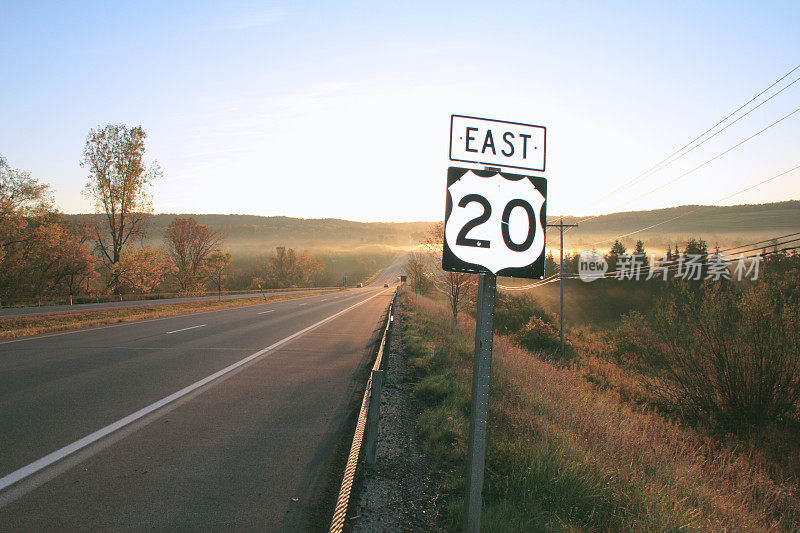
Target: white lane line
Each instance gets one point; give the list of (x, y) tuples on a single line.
[(51, 458), (323, 299), (184, 329), (264, 312), (301, 305)]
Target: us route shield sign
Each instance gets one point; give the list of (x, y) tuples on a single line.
[(494, 223)]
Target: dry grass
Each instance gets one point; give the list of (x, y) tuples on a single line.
[(567, 454), (631, 373), (34, 325)]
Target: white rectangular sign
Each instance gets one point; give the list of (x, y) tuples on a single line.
[(497, 143)]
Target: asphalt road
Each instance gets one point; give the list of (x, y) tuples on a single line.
[(8, 312), (252, 449)]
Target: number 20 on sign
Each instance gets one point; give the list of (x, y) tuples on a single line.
[(494, 223)]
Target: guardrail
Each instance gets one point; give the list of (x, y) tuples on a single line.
[(368, 418)]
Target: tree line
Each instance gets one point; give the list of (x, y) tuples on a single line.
[(43, 254)]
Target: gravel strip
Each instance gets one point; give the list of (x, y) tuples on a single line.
[(398, 495)]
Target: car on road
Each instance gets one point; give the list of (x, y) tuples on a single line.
[(359, 285), (385, 285)]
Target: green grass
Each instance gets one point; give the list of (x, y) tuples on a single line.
[(563, 456), (533, 480)]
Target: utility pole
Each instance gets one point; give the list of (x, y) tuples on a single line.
[(561, 227)]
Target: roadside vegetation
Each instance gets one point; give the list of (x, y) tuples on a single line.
[(675, 406), (34, 325), (124, 250)]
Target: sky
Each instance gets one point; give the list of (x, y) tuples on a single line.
[(342, 109)]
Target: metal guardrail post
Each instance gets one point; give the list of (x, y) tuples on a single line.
[(373, 416)]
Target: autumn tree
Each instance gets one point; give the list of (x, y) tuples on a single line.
[(189, 244), (459, 287), (22, 200), (119, 186), (84, 263), (416, 271), (216, 264), (50, 259), (39, 251), (61, 259), (143, 269), (285, 268), (312, 270), (281, 267)]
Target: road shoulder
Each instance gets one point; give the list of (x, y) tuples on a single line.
[(398, 493)]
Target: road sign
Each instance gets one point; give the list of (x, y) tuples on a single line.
[(494, 223), (497, 143)]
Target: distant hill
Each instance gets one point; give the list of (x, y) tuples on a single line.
[(728, 225), (257, 235)]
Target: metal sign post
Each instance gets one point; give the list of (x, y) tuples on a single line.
[(482, 369)]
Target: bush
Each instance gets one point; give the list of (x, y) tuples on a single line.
[(634, 343), (733, 355), (528, 324), (538, 335), (513, 312)]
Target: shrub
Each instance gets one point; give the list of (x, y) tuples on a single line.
[(634, 343), (513, 312), (733, 355), (528, 324), (538, 335)]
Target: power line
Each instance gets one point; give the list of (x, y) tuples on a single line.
[(766, 246), (545, 281), (695, 210), (760, 242), (532, 286), (674, 265), (698, 145), (671, 158), (701, 165), (663, 163)]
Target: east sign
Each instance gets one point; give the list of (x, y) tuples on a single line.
[(497, 143)]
